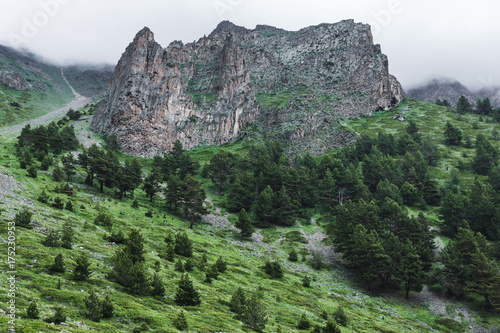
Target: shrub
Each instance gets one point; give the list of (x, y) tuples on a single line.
[(179, 267), (292, 256), (32, 171), (135, 204), (104, 220), (69, 206), (58, 317), (107, 307), (52, 239), (23, 218), (115, 237), (304, 323), (340, 316), (81, 271), (58, 203), (93, 307), (306, 281), (43, 197), (273, 269), (149, 213), (157, 285), (58, 265), (183, 246), (317, 260), (32, 311), (57, 174), (180, 322), (221, 265)]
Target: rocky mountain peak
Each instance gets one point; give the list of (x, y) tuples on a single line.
[(292, 86), (227, 26)]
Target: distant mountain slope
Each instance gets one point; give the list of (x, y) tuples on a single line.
[(448, 89), (30, 87)]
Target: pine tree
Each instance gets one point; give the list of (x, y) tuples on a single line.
[(193, 199), (238, 302), (211, 274), (327, 190), (454, 209), (32, 311), (284, 212), (58, 265), (152, 185), (340, 316), (452, 134), (183, 245), (58, 317), (463, 105), (180, 322), (244, 224), (264, 207), (93, 307), (32, 171), (179, 267), (367, 255), (409, 270), (306, 281), (23, 218), (57, 174), (107, 307), (67, 235), (304, 323), (134, 246), (221, 265), (486, 156), (331, 327), (170, 252), (189, 265), (51, 240), (81, 271), (186, 293), (255, 314), (43, 197), (158, 289)]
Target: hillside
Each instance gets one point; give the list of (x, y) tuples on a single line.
[(286, 298), (31, 87), (290, 86)]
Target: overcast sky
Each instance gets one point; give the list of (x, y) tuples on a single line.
[(422, 38)]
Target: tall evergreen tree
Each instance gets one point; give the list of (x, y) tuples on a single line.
[(463, 105), (81, 271), (264, 207), (486, 156), (244, 224), (186, 293), (193, 199), (409, 270), (452, 134), (255, 315)]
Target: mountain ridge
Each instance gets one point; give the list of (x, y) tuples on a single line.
[(291, 85)]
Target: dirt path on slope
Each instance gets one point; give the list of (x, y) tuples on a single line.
[(9, 133)]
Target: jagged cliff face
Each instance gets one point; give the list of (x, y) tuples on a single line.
[(292, 85)]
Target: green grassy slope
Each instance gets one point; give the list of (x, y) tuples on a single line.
[(285, 298)]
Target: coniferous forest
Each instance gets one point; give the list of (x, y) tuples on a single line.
[(220, 238)]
